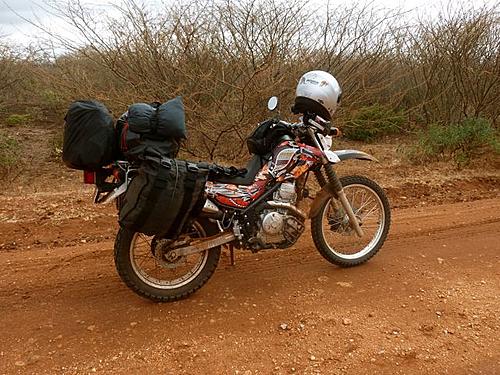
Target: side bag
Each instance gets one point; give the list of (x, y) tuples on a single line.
[(163, 197)]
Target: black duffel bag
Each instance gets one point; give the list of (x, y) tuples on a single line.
[(89, 136), (163, 197), (152, 128), (158, 121), (134, 146)]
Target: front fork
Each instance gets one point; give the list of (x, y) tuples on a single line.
[(338, 192)]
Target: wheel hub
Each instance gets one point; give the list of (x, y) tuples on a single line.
[(339, 221), (164, 254)]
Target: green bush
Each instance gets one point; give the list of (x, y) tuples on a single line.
[(9, 154), (460, 141), (372, 122), (16, 119)]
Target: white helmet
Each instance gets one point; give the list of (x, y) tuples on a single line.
[(317, 93)]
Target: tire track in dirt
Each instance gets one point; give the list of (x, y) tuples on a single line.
[(248, 264)]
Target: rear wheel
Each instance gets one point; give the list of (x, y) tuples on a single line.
[(146, 266), (332, 234)]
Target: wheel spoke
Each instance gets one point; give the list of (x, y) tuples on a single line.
[(367, 214), (162, 273), (363, 205), (352, 200), (144, 239), (370, 226)]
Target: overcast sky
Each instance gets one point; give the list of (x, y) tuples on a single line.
[(18, 31), (12, 24)]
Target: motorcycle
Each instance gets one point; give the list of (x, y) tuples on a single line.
[(350, 216)]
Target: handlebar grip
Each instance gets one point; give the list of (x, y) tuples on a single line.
[(335, 132)]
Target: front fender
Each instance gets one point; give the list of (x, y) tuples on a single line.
[(354, 154)]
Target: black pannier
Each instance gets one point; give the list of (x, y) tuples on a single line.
[(163, 197), (152, 129), (266, 136), (89, 136)]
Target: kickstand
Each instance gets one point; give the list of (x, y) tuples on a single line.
[(231, 254)]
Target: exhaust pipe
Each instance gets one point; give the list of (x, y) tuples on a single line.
[(286, 206)]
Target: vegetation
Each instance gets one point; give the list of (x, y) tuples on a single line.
[(9, 155), (226, 57), (56, 145), (16, 119), (460, 141), (370, 123)]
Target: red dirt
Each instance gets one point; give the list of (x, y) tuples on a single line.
[(427, 303)]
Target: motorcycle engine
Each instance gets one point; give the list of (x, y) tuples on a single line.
[(279, 227)]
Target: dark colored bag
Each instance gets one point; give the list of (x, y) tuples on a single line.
[(152, 129), (89, 136), (133, 146), (163, 197), (265, 137), (158, 122)]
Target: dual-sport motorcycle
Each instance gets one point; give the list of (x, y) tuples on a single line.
[(350, 215)]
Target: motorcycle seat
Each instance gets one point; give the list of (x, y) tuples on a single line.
[(254, 165)]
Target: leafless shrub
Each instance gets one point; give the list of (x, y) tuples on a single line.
[(455, 66), (226, 57), (12, 71)]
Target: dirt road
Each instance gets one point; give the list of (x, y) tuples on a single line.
[(429, 302)]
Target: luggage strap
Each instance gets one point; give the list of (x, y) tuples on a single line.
[(123, 138), (154, 121)]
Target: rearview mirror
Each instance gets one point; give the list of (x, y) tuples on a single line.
[(272, 103)]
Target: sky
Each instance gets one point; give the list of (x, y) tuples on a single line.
[(17, 31)]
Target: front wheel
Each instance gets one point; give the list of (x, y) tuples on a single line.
[(332, 234), (145, 265)]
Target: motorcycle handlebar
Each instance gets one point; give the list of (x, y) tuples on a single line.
[(291, 126), (318, 124)]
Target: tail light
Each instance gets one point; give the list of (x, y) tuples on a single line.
[(89, 177), (116, 174)]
